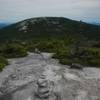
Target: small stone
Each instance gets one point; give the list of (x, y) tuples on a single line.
[(41, 82), (46, 95), (13, 76), (44, 84), (42, 76), (43, 90)]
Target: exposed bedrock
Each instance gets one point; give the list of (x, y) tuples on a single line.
[(34, 78)]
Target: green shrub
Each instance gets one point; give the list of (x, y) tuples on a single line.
[(66, 61), (3, 62), (13, 50), (62, 47), (94, 62), (93, 52)]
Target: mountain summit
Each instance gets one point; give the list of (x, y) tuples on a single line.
[(52, 26)]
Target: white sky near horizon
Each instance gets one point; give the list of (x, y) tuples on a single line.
[(16, 10)]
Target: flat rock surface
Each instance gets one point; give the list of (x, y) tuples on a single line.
[(18, 81)]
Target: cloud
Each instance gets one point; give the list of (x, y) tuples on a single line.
[(15, 10)]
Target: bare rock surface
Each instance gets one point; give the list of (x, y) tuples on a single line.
[(39, 77)]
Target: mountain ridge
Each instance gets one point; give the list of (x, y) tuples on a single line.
[(29, 28)]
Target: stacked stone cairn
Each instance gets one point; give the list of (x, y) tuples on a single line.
[(44, 90)]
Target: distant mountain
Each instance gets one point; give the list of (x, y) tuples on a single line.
[(2, 25), (49, 26), (96, 23)]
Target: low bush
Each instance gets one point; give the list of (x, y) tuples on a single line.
[(3, 62), (61, 47), (13, 50)]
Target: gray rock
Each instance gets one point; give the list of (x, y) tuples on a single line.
[(42, 83), (45, 95), (76, 66), (72, 85), (43, 90)]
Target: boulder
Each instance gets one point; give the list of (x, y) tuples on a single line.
[(76, 66)]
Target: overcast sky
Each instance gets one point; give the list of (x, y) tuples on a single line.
[(16, 10)]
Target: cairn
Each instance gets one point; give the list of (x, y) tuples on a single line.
[(44, 90), (43, 87)]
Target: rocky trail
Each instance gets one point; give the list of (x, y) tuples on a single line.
[(39, 77)]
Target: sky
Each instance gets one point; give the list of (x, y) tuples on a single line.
[(17, 10)]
